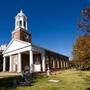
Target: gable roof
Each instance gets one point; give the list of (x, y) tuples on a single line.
[(15, 44)]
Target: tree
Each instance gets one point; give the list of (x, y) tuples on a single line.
[(81, 52), (84, 22), (81, 49)]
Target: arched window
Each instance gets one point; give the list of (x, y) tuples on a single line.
[(20, 23)]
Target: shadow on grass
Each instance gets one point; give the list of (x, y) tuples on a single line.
[(8, 83), (7, 88), (11, 83), (88, 88)]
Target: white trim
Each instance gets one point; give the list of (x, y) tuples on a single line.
[(28, 48), (27, 44)]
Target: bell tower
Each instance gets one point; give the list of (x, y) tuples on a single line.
[(21, 32), (21, 21)]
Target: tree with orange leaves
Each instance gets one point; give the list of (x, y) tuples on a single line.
[(81, 49)]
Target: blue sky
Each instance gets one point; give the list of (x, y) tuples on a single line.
[(53, 23)]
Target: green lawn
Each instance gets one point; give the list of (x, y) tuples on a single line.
[(69, 80)]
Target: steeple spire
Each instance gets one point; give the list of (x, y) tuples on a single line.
[(21, 20), (21, 11)]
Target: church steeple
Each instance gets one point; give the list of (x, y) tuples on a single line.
[(20, 31), (21, 21)]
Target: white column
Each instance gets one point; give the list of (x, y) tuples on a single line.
[(64, 64), (10, 65), (31, 61), (58, 63), (43, 61), (53, 63), (4, 64), (61, 65), (19, 62)]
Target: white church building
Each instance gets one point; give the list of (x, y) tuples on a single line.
[(21, 52)]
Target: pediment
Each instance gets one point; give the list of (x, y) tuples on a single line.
[(15, 45)]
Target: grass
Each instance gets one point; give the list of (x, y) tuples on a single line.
[(69, 80)]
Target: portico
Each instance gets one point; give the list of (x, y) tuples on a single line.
[(20, 57)]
